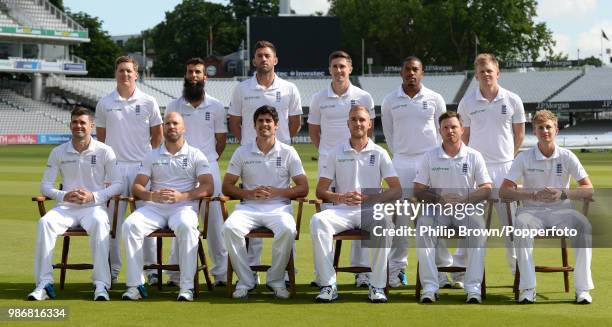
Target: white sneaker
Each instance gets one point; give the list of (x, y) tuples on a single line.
[(394, 281), (152, 279), (114, 279), (280, 292), (327, 294), (362, 280), (458, 278), (473, 298), (101, 294), (377, 295), (443, 281), (240, 293), (429, 297), (185, 295), (135, 293), (40, 294), (527, 296), (583, 297)]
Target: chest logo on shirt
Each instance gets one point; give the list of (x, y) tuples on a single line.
[(464, 168), (93, 159), (372, 160), (137, 109), (504, 109), (559, 169), (425, 106), (184, 162), (278, 162), (278, 96), (353, 102), (207, 116)]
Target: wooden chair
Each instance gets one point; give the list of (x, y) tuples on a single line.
[(565, 267), (263, 232), (356, 234), (63, 265), (161, 233), (454, 269)]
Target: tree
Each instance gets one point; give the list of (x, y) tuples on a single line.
[(245, 8), (58, 3), (101, 52), (593, 61)]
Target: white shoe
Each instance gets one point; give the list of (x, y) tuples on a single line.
[(583, 297), (280, 292), (152, 279), (114, 279), (473, 298), (240, 293), (377, 295), (429, 297), (327, 294), (185, 295), (135, 293), (394, 281), (362, 280), (458, 278), (40, 294), (443, 281), (101, 294), (527, 296)]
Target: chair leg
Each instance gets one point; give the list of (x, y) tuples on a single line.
[(230, 275), (291, 273), (483, 286), (417, 284), (517, 280), (65, 248), (159, 263), (565, 264), (202, 256), (387, 286), (337, 253)]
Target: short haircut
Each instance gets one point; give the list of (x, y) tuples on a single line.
[(80, 111), (542, 116), (265, 110), (450, 114), (340, 54), (485, 58), (412, 58), (264, 44), (195, 61), (123, 59), (360, 108)]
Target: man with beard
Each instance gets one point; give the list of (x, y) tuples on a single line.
[(206, 129), (264, 88), (179, 176), (129, 121)]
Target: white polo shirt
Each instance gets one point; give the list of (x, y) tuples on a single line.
[(249, 95), (128, 123), (490, 123), (88, 169), (355, 171), (537, 171), (275, 168), (464, 171), (202, 123), (410, 124), (179, 171), (331, 112)]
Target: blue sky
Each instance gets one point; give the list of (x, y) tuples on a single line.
[(576, 24)]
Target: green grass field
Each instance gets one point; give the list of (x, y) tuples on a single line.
[(21, 168)]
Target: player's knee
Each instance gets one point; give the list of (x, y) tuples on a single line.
[(318, 221)]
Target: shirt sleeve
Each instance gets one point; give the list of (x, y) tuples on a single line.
[(295, 103), (575, 168), (515, 174), (235, 106), (386, 116), (519, 111), (481, 175), (314, 113), (220, 119), (295, 164), (235, 164), (147, 165), (386, 166), (47, 187), (202, 167), (112, 174), (422, 176), (100, 117), (462, 111), (155, 118)]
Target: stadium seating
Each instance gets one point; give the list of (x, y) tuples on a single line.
[(40, 14), (21, 115), (593, 86), (308, 87), (173, 88), (6, 21)]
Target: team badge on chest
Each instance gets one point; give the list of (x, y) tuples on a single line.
[(372, 161), (137, 109), (184, 162), (93, 159), (278, 96), (278, 162), (559, 170), (207, 116), (504, 109)]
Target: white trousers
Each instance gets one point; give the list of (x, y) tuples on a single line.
[(474, 246), (216, 245), (541, 218), (323, 226), (246, 217), (182, 218), (93, 219), (128, 171)]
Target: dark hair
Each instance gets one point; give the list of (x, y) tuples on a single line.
[(265, 110), (264, 44), (412, 58), (340, 54), (195, 61), (450, 114), (80, 111)]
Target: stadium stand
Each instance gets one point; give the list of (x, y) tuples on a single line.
[(40, 14), (173, 87), (589, 127), (308, 87), (26, 116), (5, 20), (596, 84)]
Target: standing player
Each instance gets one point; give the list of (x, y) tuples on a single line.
[(354, 166), (130, 122), (329, 111), (494, 120), (410, 123), (179, 176), (266, 168), (264, 88), (453, 174), (545, 171), (83, 164), (206, 129)]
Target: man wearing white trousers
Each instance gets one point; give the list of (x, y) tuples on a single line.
[(410, 123), (266, 168), (354, 166), (84, 165), (206, 129), (129, 121), (545, 171), (453, 174), (494, 120), (179, 176), (329, 111)]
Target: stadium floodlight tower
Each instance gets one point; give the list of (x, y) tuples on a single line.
[(35, 39)]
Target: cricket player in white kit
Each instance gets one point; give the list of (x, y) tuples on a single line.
[(356, 165), (206, 129), (266, 168), (84, 165), (452, 174), (545, 171), (329, 111), (494, 121), (130, 122), (410, 124), (264, 88), (179, 176)]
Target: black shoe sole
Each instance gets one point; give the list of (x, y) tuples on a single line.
[(317, 300), (100, 298), (472, 301)]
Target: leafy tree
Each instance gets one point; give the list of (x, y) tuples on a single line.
[(245, 8), (58, 3), (593, 61)]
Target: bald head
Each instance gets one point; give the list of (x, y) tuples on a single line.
[(174, 126)]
